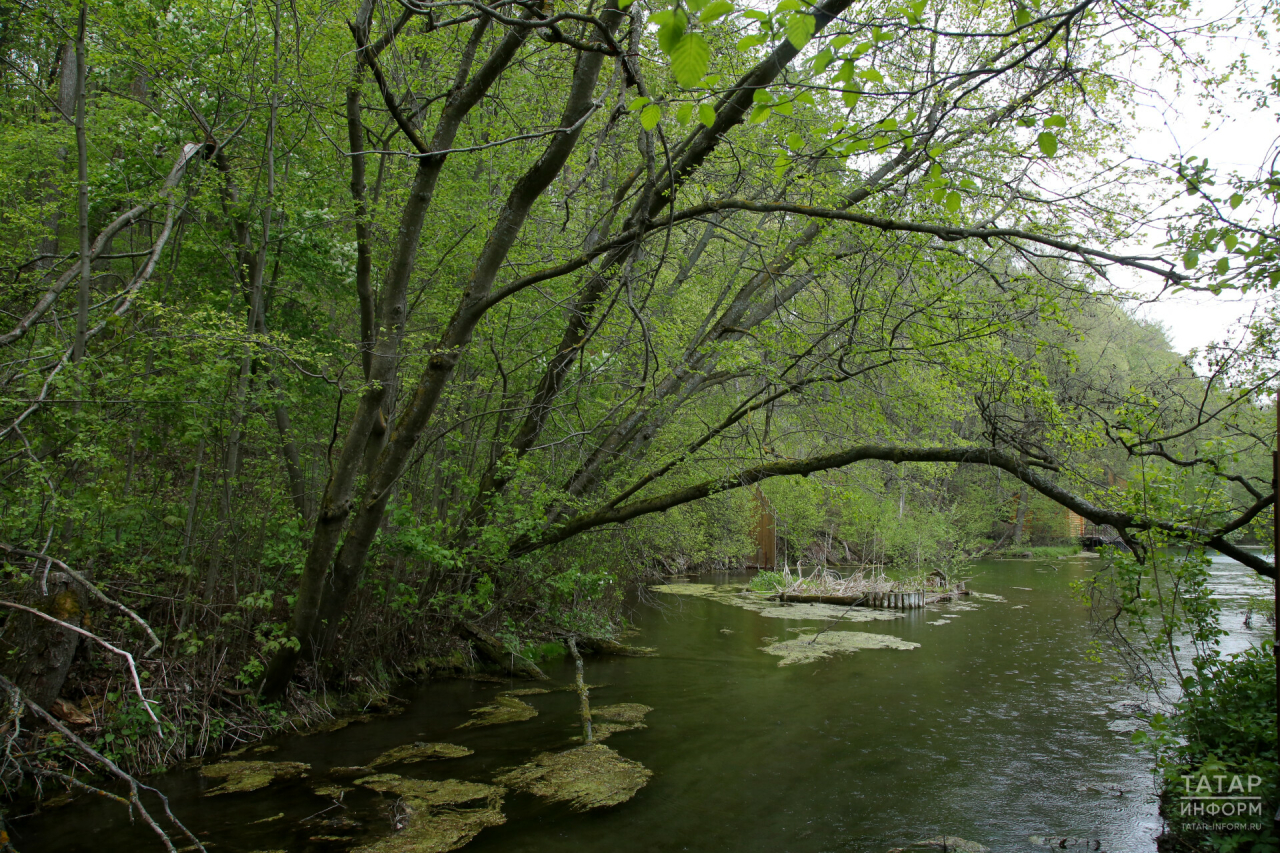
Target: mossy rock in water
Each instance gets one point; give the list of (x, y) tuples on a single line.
[(626, 712), (449, 792), (808, 648), (432, 829), (505, 709), (250, 775), (948, 843), (586, 777), (412, 753)]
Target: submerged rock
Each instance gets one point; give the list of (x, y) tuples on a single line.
[(587, 777), (808, 648), (432, 815), (250, 775), (505, 709), (411, 753), (948, 843)]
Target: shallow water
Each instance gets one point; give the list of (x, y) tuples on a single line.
[(997, 728)]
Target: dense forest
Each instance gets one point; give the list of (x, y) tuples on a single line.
[(345, 341)]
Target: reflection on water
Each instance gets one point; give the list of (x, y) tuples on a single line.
[(997, 728)]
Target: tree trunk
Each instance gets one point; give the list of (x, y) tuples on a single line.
[(36, 654)]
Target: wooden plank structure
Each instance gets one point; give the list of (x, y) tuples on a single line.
[(882, 600)]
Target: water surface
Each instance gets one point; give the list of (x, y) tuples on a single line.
[(999, 727)]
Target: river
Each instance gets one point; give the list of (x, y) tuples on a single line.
[(998, 728)]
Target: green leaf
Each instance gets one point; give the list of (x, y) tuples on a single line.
[(1236, 200), (783, 108), (861, 49), (684, 113), (689, 60), (781, 165), (755, 14), (850, 98), (706, 114), (824, 58), (952, 201), (670, 35), (845, 74), (1021, 18), (622, 4), (889, 124), (1190, 260), (789, 6), (1055, 121), (1223, 265), (745, 44), (881, 141), (649, 116), (871, 74), (637, 103), (760, 114), (761, 96), (805, 98), (935, 171), (695, 5), (716, 9), (795, 141), (800, 29), (939, 194), (878, 34), (1048, 143), (1229, 239), (840, 41), (711, 80)]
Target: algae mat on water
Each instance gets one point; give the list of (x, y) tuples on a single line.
[(435, 821), (411, 753), (587, 777), (504, 709), (737, 595), (809, 647), (249, 775)]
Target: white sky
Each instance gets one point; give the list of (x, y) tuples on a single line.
[(1171, 125)]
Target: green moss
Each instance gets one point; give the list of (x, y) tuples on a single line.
[(436, 820), (249, 775), (505, 709), (625, 712), (411, 753), (807, 648), (588, 777), (436, 793), (430, 829)]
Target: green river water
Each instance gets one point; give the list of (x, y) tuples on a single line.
[(998, 728)]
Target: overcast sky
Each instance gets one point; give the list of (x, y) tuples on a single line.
[(1172, 124)]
